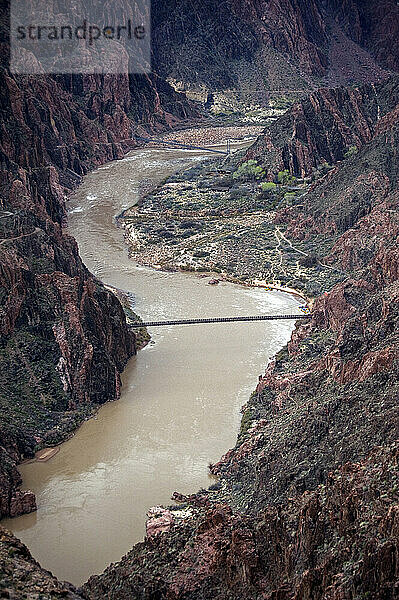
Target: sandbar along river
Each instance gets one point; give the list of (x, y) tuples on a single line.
[(181, 397)]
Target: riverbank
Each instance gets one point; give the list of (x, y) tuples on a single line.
[(142, 338), (213, 135), (189, 221), (203, 219)]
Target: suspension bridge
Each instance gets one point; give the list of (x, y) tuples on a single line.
[(179, 144), (137, 324)]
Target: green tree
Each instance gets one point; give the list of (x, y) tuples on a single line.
[(249, 170)]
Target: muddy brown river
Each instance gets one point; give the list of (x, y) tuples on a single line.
[(181, 399)]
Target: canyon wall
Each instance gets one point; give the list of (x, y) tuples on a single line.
[(64, 339), (337, 542), (323, 127), (373, 25), (274, 49), (201, 45), (305, 504), (23, 577)]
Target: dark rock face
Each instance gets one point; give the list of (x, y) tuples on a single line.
[(324, 126), (22, 577), (294, 28), (199, 45), (339, 541), (64, 339), (373, 25), (212, 45), (14, 502)]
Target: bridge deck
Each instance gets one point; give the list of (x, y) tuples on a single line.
[(178, 144), (218, 320)]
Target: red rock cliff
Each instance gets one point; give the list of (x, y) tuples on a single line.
[(322, 128)]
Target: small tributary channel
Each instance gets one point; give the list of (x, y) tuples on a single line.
[(181, 398)]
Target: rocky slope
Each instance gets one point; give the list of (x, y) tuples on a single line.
[(229, 31), (21, 577), (323, 127), (254, 51), (373, 25)]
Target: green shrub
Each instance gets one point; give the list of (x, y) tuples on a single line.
[(352, 150), (246, 422), (249, 170), (290, 196), (285, 177), (281, 103), (268, 186)]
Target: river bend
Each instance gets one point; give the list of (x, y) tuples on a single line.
[(181, 398)]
